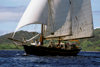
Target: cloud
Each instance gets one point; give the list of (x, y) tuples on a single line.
[(9, 16), (11, 13), (3, 32), (12, 9)]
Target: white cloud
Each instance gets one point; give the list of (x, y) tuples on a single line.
[(11, 13), (12, 9), (3, 32), (9, 16)]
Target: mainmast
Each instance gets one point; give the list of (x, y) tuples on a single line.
[(41, 36)]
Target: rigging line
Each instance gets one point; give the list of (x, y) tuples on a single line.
[(33, 37)]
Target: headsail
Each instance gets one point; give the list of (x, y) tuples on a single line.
[(36, 13)]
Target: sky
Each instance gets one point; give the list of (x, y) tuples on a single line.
[(12, 10)]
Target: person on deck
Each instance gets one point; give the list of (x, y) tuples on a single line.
[(34, 43), (51, 44), (58, 46)]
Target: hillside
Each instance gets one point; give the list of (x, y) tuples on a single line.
[(87, 44), (19, 36), (5, 43), (91, 44)]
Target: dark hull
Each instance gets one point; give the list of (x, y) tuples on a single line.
[(43, 51)]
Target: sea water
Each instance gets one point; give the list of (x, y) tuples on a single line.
[(15, 58)]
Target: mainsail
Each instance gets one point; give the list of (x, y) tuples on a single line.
[(82, 23), (81, 19)]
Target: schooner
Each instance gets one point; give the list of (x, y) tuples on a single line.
[(60, 20)]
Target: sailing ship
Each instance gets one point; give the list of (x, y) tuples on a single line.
[(60, 20)]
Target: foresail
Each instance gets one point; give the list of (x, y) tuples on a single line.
[(62, 21), (82, 25), (36, 13)]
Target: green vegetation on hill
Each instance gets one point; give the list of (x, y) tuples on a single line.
[(20, 35), (10, 46), (87, 44), (91, 44), (5, 43)]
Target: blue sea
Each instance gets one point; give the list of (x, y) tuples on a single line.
[(15, 58)]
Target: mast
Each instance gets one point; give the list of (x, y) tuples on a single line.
[(41, 37)]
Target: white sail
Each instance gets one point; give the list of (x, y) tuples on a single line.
[(81, 19), (82, 25), (62, 22), (67, 17), (36, 13)]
